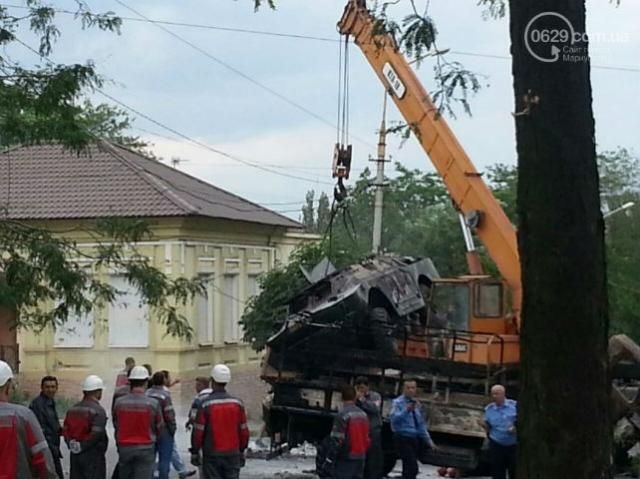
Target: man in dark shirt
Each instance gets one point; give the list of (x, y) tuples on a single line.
[(44, 408)]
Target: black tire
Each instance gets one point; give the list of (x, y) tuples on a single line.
[(380, 326)]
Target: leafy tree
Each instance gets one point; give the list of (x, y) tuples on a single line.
[(619, 172), (44, 104), (308, 212), (266, 312), (562, 253), (111, 123), (38, 266), (323, 213), (316, 219), (504, 184)]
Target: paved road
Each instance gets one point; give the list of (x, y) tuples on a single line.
[(290, 467)]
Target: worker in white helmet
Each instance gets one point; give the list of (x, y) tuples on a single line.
[(138, 422), (220, 431), (85, 432), (24, 452)]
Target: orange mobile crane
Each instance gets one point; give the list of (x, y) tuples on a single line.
[(481, 303), (492, 331), (390, 317)]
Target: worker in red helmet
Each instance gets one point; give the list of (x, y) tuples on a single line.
[(85, 432), (138, 422), (24, 452), (220, 431)]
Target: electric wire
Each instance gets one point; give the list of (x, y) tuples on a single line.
[(235, 70), (295, 36)]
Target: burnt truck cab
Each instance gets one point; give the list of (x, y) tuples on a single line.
[(387, 318)]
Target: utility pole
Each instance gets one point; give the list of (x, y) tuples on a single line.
[(380, 183)]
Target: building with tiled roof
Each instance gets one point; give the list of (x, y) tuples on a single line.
[(198, 229)]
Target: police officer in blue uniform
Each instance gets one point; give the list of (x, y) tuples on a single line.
[(500, 419)]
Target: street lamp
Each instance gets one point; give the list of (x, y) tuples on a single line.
[(624, 207)]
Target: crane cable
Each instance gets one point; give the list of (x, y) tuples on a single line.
[(342, 152)]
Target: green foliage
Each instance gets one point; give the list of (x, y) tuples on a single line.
[(419, 220), (109, 122), (493, 8), (308, 212), (504, 183), (41, 275), (619, 184), (266, 312), (417, 36), (42, 104), (43, 280), (258, 3), (455, 84), (316, 218)]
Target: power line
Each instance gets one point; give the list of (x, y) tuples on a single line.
[(191, 140), (300, 36), (208, 147), (238, 72), (226, 204), (200, 26), (270, 165)]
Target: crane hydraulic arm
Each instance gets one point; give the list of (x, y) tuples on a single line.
[(470, 194)]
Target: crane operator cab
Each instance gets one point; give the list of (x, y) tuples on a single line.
[(467, 320)]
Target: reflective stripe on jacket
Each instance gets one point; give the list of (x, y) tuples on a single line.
[(23, 448), (117, 394), (350, 432), (196, 404), (137, 420), (86, 423), (221, 426)]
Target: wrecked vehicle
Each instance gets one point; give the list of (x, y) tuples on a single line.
[(386, 318), (366, 300)]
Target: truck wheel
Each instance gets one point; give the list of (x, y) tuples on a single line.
[(390, 459), (380, 328)]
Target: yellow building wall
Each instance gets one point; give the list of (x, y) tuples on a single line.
[(179, 247)]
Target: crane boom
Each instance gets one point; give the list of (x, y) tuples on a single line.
[(470, 194)]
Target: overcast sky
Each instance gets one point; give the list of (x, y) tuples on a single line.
[(180, 87)]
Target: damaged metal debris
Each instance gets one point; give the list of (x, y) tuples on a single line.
[(389, 317), (384, 318)]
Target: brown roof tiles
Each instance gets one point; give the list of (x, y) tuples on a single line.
[(50, 182)]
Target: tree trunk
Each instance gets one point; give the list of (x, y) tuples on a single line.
[(563, 426)]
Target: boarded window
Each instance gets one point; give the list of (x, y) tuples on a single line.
[(76, 332), (205, 311), (231, 308), (128, 317)]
